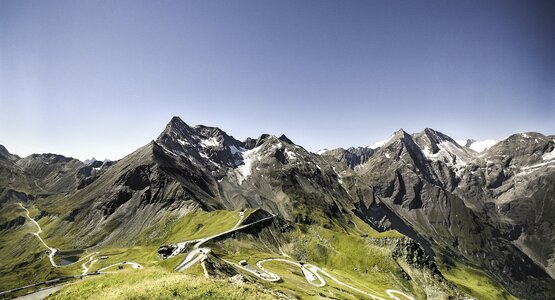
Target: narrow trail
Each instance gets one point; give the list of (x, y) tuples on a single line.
[(52, 251), (241, 217)]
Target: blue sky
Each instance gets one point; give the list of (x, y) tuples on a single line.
[(102, 78)]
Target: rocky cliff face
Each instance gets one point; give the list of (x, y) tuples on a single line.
[(489, 209), (352, 157)]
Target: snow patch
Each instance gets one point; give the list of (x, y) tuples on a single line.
[(530, 169), (339, 179), (234, 150), (461, 143), (549, 155), (450, 154), (175, 152), (549, 162), (244, 171), (290, 154), (387, 155), (481, 146), (380, 144), (429, 154), (210, 142), (203, 155)]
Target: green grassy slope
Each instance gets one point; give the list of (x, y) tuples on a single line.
[(22, 256), (355, 254), (156, 283), (476, 283)]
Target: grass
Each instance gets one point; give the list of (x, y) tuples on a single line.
[(475, 283), (22, 256), (347, 252), (349, 256), (156, 283), (23, 260), (364, 228), (295, 284), (194, 225)]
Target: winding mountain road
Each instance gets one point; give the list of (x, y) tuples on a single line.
[(313, 277), (192, 256), (51, 253), (313, 274)]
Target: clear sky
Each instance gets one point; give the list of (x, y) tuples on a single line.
[(102, 78)]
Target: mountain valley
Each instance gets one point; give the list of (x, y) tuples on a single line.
[(197, 213)]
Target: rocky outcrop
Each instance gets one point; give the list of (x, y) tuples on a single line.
[(413, 254), (216, 268), (11, 224)]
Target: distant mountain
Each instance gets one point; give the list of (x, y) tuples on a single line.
[(488, 206), (352, 157)]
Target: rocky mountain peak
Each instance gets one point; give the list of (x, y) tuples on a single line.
[(175, 120), (437, 136), (215, 137), (51, 158), (522, 141), (399, 135), (206, 147), (352, 157), (469, 142), (4, 152), (285, 139), (433, 140), (523, 149), (262, 139), (177, 128), (90, 161), (249, 143)]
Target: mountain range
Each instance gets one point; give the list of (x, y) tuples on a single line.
[(419, 213)]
